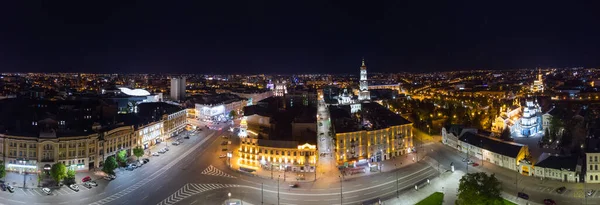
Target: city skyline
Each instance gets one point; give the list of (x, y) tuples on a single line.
[(294, 38)]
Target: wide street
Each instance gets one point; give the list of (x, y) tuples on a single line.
[(193, 173), (130, 187)]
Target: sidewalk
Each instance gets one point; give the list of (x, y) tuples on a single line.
[(31, 180), (446, 183)]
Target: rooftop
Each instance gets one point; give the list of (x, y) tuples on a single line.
[(215, 99), (559, 162), (510, 149), (372, 116)]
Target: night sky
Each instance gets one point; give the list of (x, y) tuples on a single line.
[(292, 37)]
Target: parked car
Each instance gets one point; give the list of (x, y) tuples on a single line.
[(146, 160), (3, 187), (131, 167), (222, 156), (46, 190), (87, 178), (475, 164), (74, 187), (112, 176), (10, 188), (186, 137), (293, 185), (561, 190), (549, 202), (155, 154), (590, 192), (107, 178), (87, 185), (523, 195)]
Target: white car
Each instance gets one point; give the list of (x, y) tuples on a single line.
[(93, 183), (46, 190), (155, 154), (74, 187)]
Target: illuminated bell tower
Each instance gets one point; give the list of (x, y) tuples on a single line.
[(364, 93), (243, 128)]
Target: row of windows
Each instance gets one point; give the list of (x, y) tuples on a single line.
[(595, 159), (21, 145), (282, 153), (13, 153)]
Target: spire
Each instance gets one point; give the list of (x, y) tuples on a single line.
[(363, 62)]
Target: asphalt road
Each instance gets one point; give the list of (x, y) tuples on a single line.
[(128, 183), (193, 173)]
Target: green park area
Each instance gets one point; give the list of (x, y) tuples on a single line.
[(436, 198)]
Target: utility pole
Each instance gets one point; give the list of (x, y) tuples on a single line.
[(397, 189), (262, 193), (278, 189), (271, 171), (467, 160), (341, 193), (481, 145)]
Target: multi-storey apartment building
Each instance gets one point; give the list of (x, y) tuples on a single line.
[(35, 146), (275, 154), (372, 135)]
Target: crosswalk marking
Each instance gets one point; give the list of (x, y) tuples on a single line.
[(211, 170), (192, 189), (151, 177)]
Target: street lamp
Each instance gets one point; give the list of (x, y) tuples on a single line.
[(278, 189), (397, 190), (341, 193)]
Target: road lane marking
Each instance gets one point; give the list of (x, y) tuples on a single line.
[(428, 174), (154, 175), (39, 192), (370, 192)]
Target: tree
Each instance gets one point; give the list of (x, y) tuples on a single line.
[(110, 164), (122, 156), (555, 126), (505, 135), (546, 137), (2, 170), (232, 114), (70, 179), (479, 188), (58, 172), (138, 152)]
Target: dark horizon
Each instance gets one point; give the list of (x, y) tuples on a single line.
[(287, 38)]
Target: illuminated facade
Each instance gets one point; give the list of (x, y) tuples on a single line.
[(33, 154), (374, 145), (219, 112), (530, 123), (151, 134), (538, 85), (243, 128), (279, 155), (175, 123), (364, 85), (112, 141), (509, 155)]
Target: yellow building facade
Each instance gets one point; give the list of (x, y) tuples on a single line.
[(374, 145), (278, 155)]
